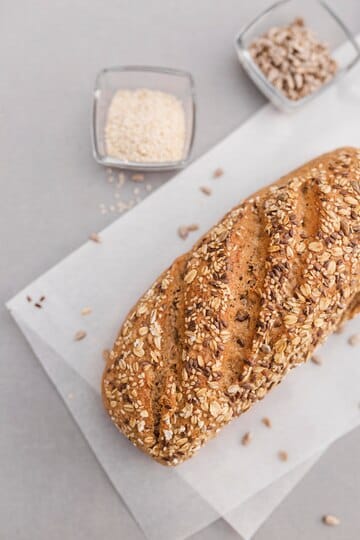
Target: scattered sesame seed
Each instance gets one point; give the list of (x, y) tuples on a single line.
[(86, 311), (29, 299), (331, 520), (81, 334), (38, 305), (136, 191), (105, 354), (148, 187)]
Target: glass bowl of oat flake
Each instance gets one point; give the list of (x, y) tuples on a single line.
[(143, 118), (294, 50)]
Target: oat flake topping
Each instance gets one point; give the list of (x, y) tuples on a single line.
[(253, 299)]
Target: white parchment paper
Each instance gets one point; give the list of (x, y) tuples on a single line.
[(313, 407), (83, 403)]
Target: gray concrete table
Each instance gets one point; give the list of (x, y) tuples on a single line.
[(51, 485)]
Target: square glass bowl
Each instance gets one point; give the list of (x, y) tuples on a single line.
[(320, 18), (108, 81)]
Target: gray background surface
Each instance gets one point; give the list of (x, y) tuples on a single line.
[(51, 485)]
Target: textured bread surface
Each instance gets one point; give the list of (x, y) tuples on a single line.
[(253, 298)]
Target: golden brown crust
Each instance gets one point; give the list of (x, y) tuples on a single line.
[(250, 301)]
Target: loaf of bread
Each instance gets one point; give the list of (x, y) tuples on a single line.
[(253, 298)]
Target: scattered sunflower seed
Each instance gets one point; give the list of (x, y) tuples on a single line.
[(354, 340), (184, 230), (266, 421), (79, 335), (246, 439), (94, 237), (218, 172), (331, 520), (282, 455), (86, 311), (206, 190), (316, 360), (340, 329), (138, 177)]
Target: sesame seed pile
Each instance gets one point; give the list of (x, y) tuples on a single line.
[(226, 322), (145, 126), (293, 59)]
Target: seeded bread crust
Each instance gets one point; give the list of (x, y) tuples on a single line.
[(253, 298)]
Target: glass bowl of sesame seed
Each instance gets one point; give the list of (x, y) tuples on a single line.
[(294, 50), (143, 118)]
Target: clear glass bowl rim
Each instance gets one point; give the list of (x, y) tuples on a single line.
[(270, 89), (134, 165)]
